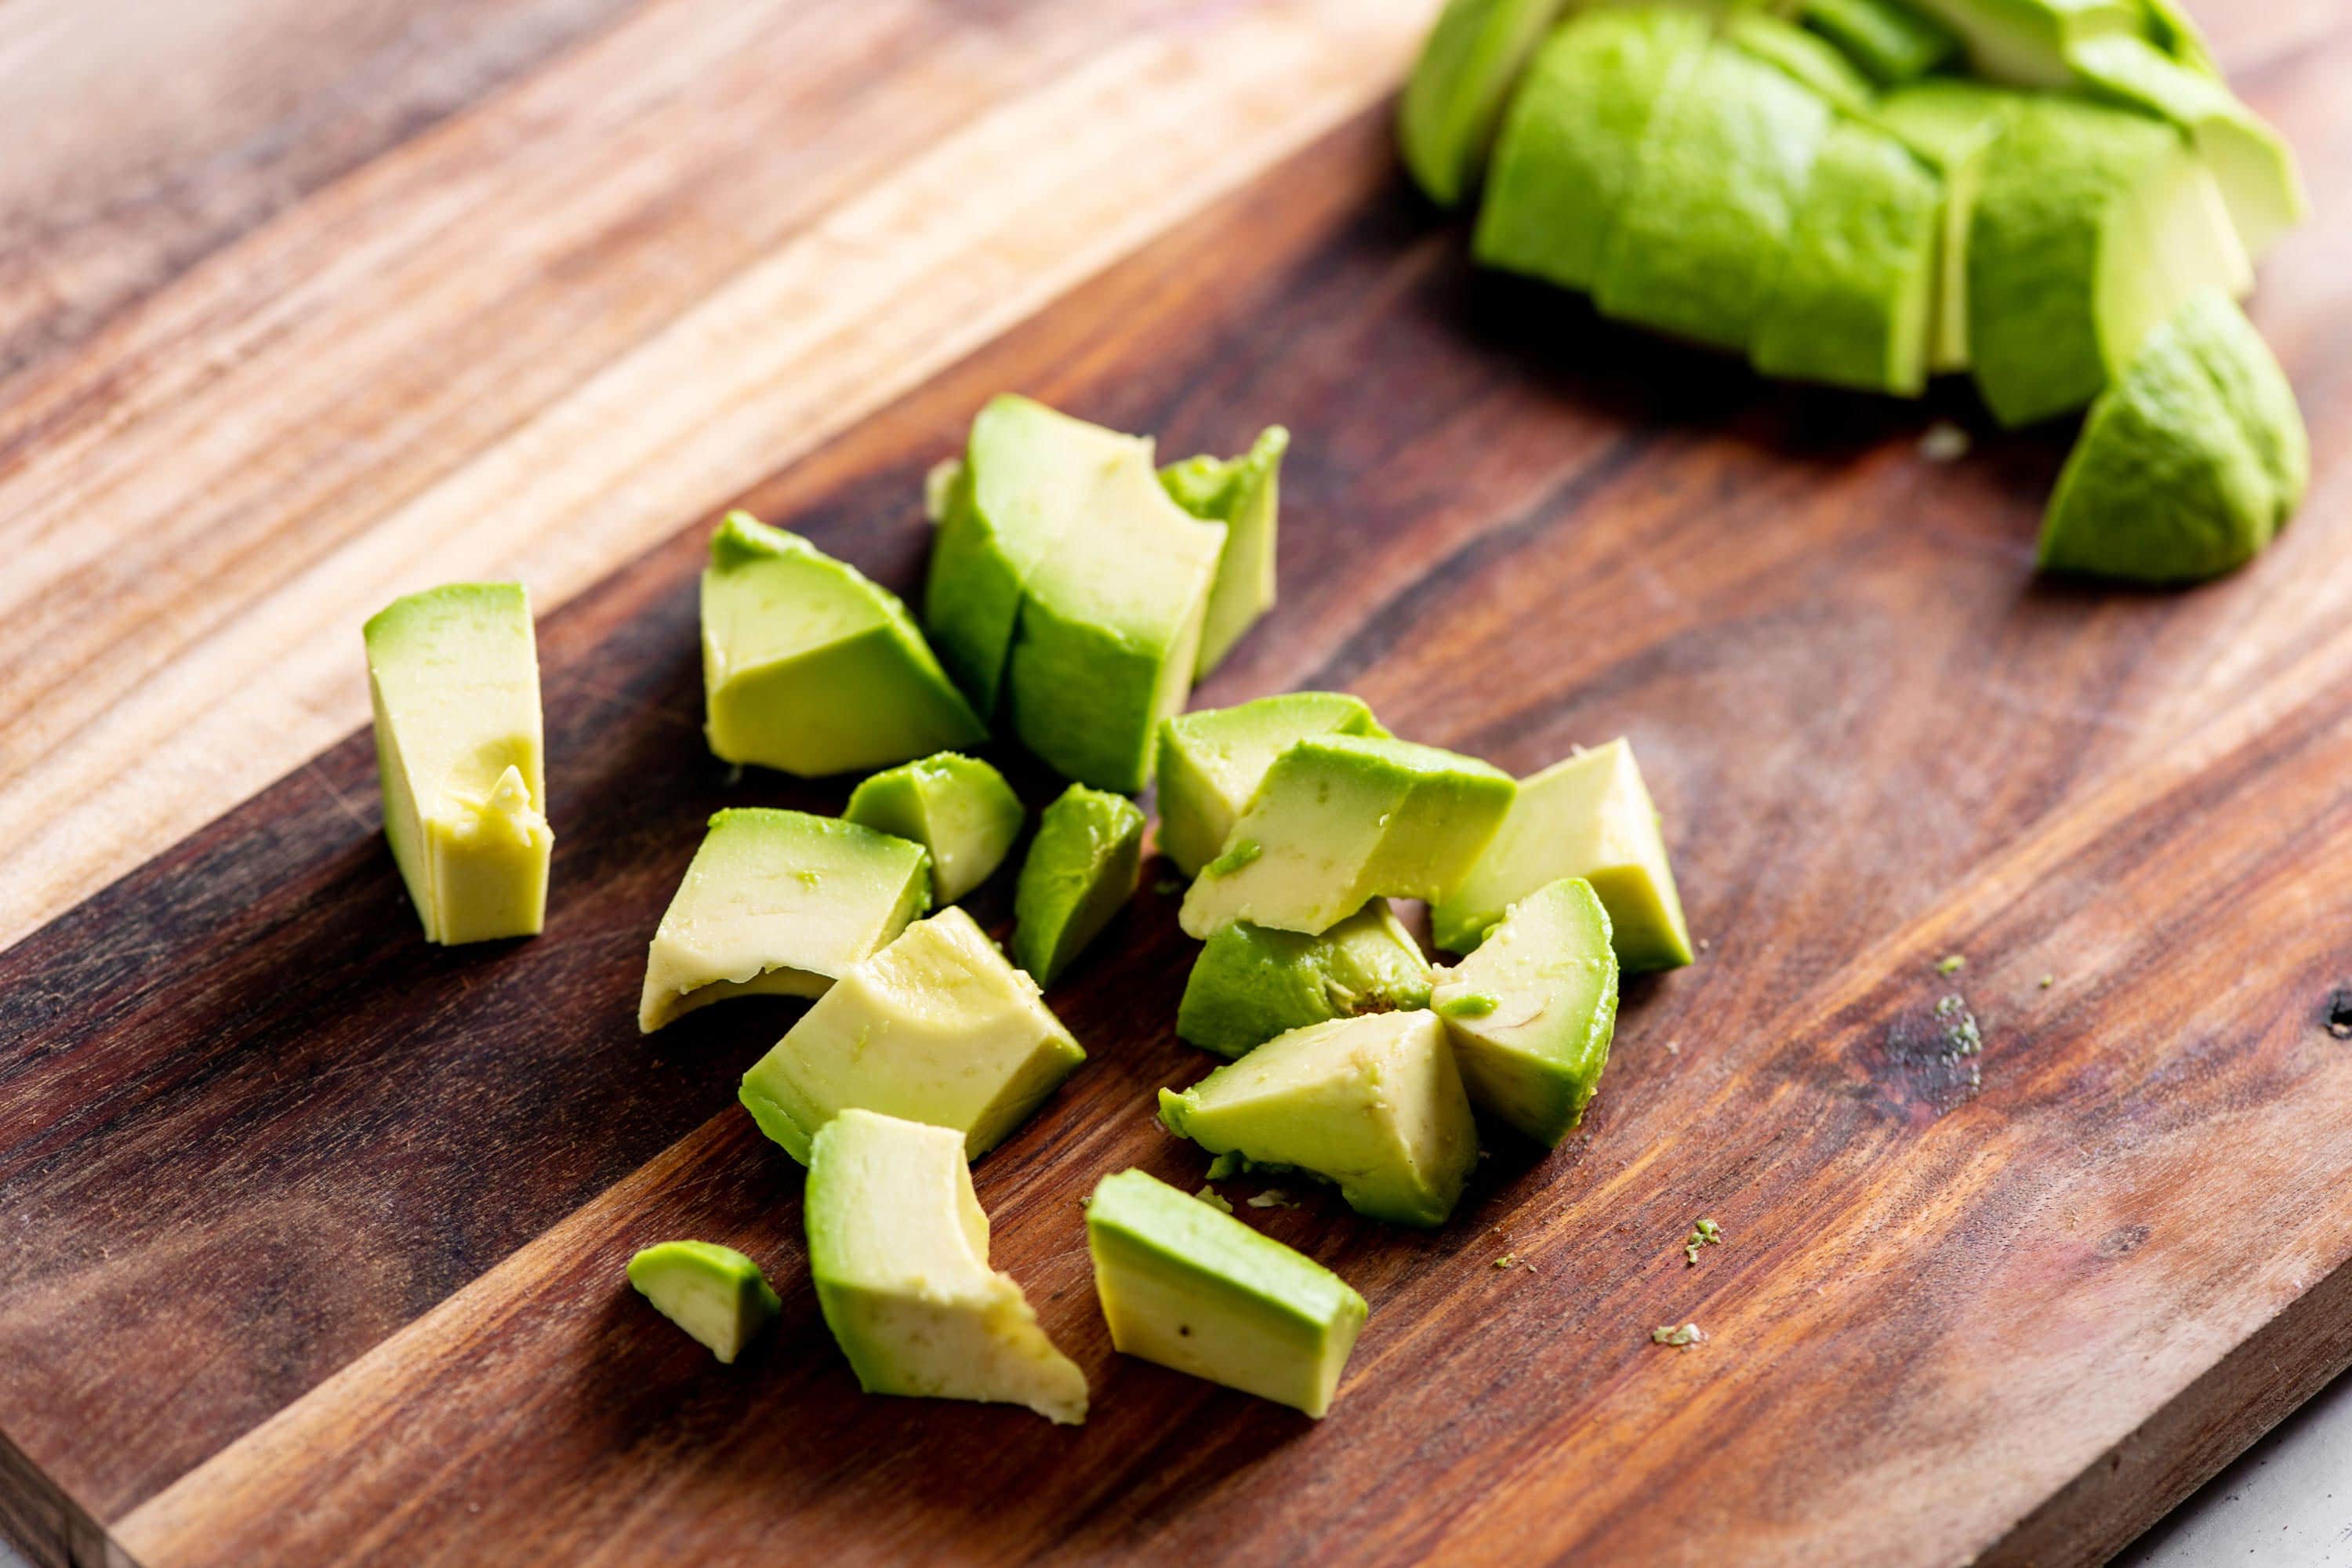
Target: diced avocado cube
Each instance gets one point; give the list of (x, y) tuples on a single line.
[(453, 673), (1531, 1012), (810, 667), (1081, 868), (937, 1027), (1245, 494), (1250, 984), (1889, 40), (1339, 820), (1210, 762), (1197, 1290), (2023, 43), (779, 903), (1952, 124), (1459, 84), (1805, 56), (957, 807), (713, 1292), (1587, 816), (898, 1252)]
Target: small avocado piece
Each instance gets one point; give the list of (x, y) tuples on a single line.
[(1339, 820), (2178, 34), (1545, 987), (898, 1252), (810, 667), (957, 807), (1080, 872), (1460, 82), (713, 1292), (1952, 124), (2023, 43), (1587, 816), (937, 1027), (1210, 762), (1889, 41), (1200, 1291), (1245, 494), (1250, 984), (453, 675), (1374, 1104), (1806, 56), (779, 903)]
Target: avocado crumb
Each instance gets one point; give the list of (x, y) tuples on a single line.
[(1272, 1198), (1683, 1337), (1167, 887), (1943, 442), (1224, 1167), (1508, 1260), (2048, 981), (1214, 1199), (1951, 964), (1233, 859), (1706, 1233)]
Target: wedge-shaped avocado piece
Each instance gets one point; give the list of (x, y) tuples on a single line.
[(937, 1027), (1374, 1104), (1587, 816), (1461, 81), (1805, 56), (453, 673), (1952, 124), (899, 1251), (2188, 465), (2024, 43), (957, 807), (1244, 493), (1571, 143), (713, 1292), (1888, 40), (1081, 868), (810, 667), (1250, 984), (1339, 820), (779, 903), (1193, 1288), (1531, 1012), (1210, 762)]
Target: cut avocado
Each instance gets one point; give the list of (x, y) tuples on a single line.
[(810, 667), (1081, 868), (2176, 34), (1210, 762), (957, 807), (1245, 494), (779, 903), (937, 1027), (1805, 56), (1587, 816), (1460, 83), (1532, 1011), (1952, 124), (453, 674), (1250, 984), (898, 1252), (1374, 1104), (1890, 42), (1339, 820), (2023, 43), (1197, 1290), (713, 1292)]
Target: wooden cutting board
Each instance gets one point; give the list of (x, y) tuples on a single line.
[(311, 1236)]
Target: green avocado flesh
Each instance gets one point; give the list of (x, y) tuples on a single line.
[(1374, 1104), (1210, 762), (898, 1252), (1952, 124), (957, 807), (1081, 868), (937, 1027), (1889, 41), (1807, 56), (1464, 77), (2189, 463), (1545, 987), (2024, 43), (453, 675), (1197, 1290), (1339, 820), (1587, 816), (779, 903), (808, 668), (1250, 984), (713, 1292), (1245, 494)]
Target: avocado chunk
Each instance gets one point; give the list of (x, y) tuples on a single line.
[(1805, 56), (1081, 868), (1952, 124), (1197, 1290), (1250, 984), (453, 674), (1889, 41), (779, 903), (899, 1251), (2188, 465), (1342, 820), (713, 1292), (1587, 816), (1459, 84), (2023, 43), (810, 667), (1571, 143), (1245, 494), (1210, 762), (937, 1027), (1531, 1012), (957, 807), (1374, 1105)]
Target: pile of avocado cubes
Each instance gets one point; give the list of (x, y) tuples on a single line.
[(2059, 197), (1077, 591)]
